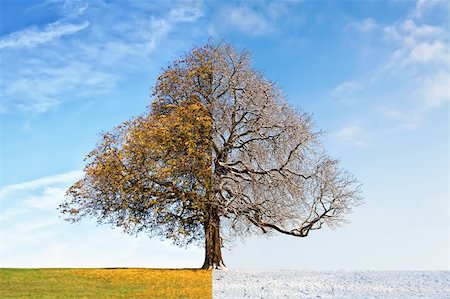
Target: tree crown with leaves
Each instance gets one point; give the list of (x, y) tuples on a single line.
[(219, 147)]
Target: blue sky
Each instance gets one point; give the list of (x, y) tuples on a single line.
[(374, 75)]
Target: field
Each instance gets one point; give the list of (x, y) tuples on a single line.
[(335, 284), (105, 283), (233, 284)]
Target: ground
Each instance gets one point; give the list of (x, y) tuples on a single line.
[(235, 284), (104, 283), (340, 284)]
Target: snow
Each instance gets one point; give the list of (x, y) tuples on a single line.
[(338, 284)]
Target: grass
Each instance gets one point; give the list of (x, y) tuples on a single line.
[(105, 283)]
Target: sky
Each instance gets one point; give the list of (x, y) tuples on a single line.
[(373, 74)]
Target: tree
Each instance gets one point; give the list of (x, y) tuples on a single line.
[(219, 150)]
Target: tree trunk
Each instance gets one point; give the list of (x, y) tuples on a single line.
[(213, 242)]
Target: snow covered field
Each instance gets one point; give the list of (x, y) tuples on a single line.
[(339, 284)]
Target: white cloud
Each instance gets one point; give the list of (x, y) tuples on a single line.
[(407, 74), (435, 89), (256, 20), (33, 235), (414, 43), (409, 31), (421, 57), (249, 21), (32, 37), (425, 6), (428, 52)]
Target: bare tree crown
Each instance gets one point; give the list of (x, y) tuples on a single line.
[(269, 168)]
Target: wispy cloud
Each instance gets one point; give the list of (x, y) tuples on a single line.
[(33, 235), (34, 36), (423, 7), (64, 178), (420, 57), (48, 85), (423, 44), (256, 19), (409, 69), (435, 89), (347, 91), (249, 21), (408, 120), (352, 134), (83, 54), (74, 8), (189, 13), (363, 26)]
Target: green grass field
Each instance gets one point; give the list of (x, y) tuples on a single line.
[(105, 283)]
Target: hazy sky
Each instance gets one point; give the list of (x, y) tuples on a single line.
[(373, 74)]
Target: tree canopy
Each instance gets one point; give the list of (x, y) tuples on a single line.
[(218, 149)]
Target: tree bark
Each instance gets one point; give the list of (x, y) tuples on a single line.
[(213, 242)]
